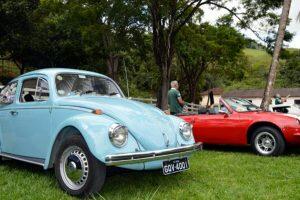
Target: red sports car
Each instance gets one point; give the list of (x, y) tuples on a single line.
[(236, 121)]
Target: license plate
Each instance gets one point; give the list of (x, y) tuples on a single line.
[(174, 166)]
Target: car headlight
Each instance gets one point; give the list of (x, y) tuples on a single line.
[(118, 135), (185, 130)]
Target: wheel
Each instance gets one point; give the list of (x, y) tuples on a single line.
[(267, 141), (78, 172)]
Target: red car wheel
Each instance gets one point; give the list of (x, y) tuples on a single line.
[(267, 141)]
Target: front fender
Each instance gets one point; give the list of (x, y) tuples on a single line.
[(176, 121), (94, 130)]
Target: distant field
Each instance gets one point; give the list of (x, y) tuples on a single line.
[(256, 73), (258, 58), (217, 173)]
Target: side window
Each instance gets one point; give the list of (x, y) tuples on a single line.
[(8, 93), (42, 90), (34, 89)]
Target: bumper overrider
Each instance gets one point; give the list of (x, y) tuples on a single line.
[(147, 156)]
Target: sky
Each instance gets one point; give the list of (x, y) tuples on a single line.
[(294, 27)]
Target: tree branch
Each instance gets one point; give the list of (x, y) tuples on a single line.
[(191, 14), (240, 19), (185, 9), (7, 57)]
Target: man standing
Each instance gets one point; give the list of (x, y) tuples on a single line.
[(174, 99), (279, 100)]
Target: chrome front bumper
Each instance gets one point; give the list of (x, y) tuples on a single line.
[(146, 156)]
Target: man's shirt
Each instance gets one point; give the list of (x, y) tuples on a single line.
[(173, 96), (278, 101)]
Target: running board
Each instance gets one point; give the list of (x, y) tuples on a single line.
[(35, 161)]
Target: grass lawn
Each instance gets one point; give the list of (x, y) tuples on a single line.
[(217, 173)]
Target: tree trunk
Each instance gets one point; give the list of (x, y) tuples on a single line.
[(275, 60), (20, 66), (163, 49), (112, 63), (162, 97)]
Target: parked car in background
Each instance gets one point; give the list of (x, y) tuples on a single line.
[(236, 121), (79, 123), (285, 108)]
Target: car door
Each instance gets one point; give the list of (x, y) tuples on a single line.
[(219, 128), (7, 103), (31, 119)]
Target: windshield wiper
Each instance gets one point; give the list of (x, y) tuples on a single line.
[(113, 93), (86, 92)]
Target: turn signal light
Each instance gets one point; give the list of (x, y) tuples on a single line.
[(97, 112), (167, 112)]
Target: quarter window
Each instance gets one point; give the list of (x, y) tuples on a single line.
[(35, 89), (8, 93), (42, 90)]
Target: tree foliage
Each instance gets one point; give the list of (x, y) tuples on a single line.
[(16, 28), (214, 47), (289, 74), (154, 40)]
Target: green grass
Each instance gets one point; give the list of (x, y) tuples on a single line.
[(258, 58), (218, 173)]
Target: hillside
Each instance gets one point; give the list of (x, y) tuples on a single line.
[(256, 72), (258, 58)]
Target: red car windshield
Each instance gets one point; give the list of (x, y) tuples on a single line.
[(241, 105)]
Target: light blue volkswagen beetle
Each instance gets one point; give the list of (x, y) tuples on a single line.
[(79, 123)]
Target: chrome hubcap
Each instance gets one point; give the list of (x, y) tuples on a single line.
[(265, 143), (74, 167)]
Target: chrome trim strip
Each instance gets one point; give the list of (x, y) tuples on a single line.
[(138, 157), (24, 159), (73, 108), (49, 107)]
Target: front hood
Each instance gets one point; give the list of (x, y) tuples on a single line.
[(152, 128), (293, 116)]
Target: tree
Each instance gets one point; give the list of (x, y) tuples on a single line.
[(289, 73), (199, 47), (168, 17), (16, 28), (275, 60)]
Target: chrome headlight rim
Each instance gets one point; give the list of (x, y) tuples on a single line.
[(112, 133), (182, 127)]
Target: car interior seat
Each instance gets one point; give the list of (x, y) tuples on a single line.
[(202, 110), (28, 98)]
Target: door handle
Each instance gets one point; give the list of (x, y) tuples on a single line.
[(14, 113)]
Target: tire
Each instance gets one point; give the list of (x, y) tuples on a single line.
[(72, 177), (267, 141)]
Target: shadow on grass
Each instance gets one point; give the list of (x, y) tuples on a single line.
[(137, 183), (24, 166), (228, 148)]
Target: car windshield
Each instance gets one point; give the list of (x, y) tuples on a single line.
[(241, 105), (79, 84)]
